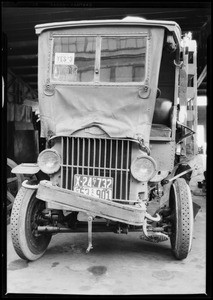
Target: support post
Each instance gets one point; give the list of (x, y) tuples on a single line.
[(90, 218)]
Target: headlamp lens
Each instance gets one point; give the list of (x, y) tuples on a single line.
[(143, 168), (49, 161)]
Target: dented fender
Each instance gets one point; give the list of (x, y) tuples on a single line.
[(26, 168)]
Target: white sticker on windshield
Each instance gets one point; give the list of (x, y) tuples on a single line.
[(64, 59)]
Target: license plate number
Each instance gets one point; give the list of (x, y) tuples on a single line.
[(95, 186)]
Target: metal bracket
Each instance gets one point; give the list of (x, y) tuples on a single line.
[(144, 91), (165, 181), (49, 89), (90, 218), (143, 147), (191, 132), (154, 237), (178, 64), (29, 186), (155, 219)]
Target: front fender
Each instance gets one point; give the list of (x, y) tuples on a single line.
[(26, 168)]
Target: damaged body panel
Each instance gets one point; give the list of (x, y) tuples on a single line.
[(129, 214)]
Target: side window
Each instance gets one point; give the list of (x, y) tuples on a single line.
[(123, 59), (73, 59)]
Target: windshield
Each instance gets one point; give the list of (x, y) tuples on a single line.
[(123, 59), (74, 59), (99, 59)]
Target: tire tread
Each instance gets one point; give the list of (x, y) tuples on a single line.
[(183, 241), (15, 220)]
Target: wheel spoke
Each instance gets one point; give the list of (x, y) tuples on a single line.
[(9, 207), (11, 179), (10, 197)]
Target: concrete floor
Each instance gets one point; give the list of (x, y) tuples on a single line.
[(118, 264)]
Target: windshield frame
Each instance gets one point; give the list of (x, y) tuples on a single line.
[(97, 64)]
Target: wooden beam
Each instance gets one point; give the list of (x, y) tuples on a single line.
[(20, 80), (27, 76), (22, 57), (29, 20), (22, 47), (202, 76), (22, 51), (202, 92), (23, 44), (25, 68), (32, 83)]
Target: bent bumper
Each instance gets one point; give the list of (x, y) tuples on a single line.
[(125, 213)]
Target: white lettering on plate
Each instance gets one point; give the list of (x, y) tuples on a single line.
[(64, 59)]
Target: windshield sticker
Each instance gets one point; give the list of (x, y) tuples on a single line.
[(64, 59)]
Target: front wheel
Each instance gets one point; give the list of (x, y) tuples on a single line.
[(14, 182), (25, 217), (180, 203)]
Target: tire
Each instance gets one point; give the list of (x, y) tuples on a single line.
[(10, 201), (14, 182), (25, 212), (181, 206)]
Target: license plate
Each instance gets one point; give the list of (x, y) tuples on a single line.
[(95, 186)]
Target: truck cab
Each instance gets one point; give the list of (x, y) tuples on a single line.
[(110, 96)]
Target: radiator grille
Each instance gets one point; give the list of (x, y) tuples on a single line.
[(97, 157)]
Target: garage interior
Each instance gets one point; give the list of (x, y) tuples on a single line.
[(20, 59), (119, 264)]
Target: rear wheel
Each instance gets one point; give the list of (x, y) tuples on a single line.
[(180, 203), (25, 217)]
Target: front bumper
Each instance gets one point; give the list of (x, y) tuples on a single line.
[(125, 213)]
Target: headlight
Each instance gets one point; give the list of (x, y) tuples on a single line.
[(143, 168), (49, 161)]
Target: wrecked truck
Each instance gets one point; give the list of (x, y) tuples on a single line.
[(110, 94)]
